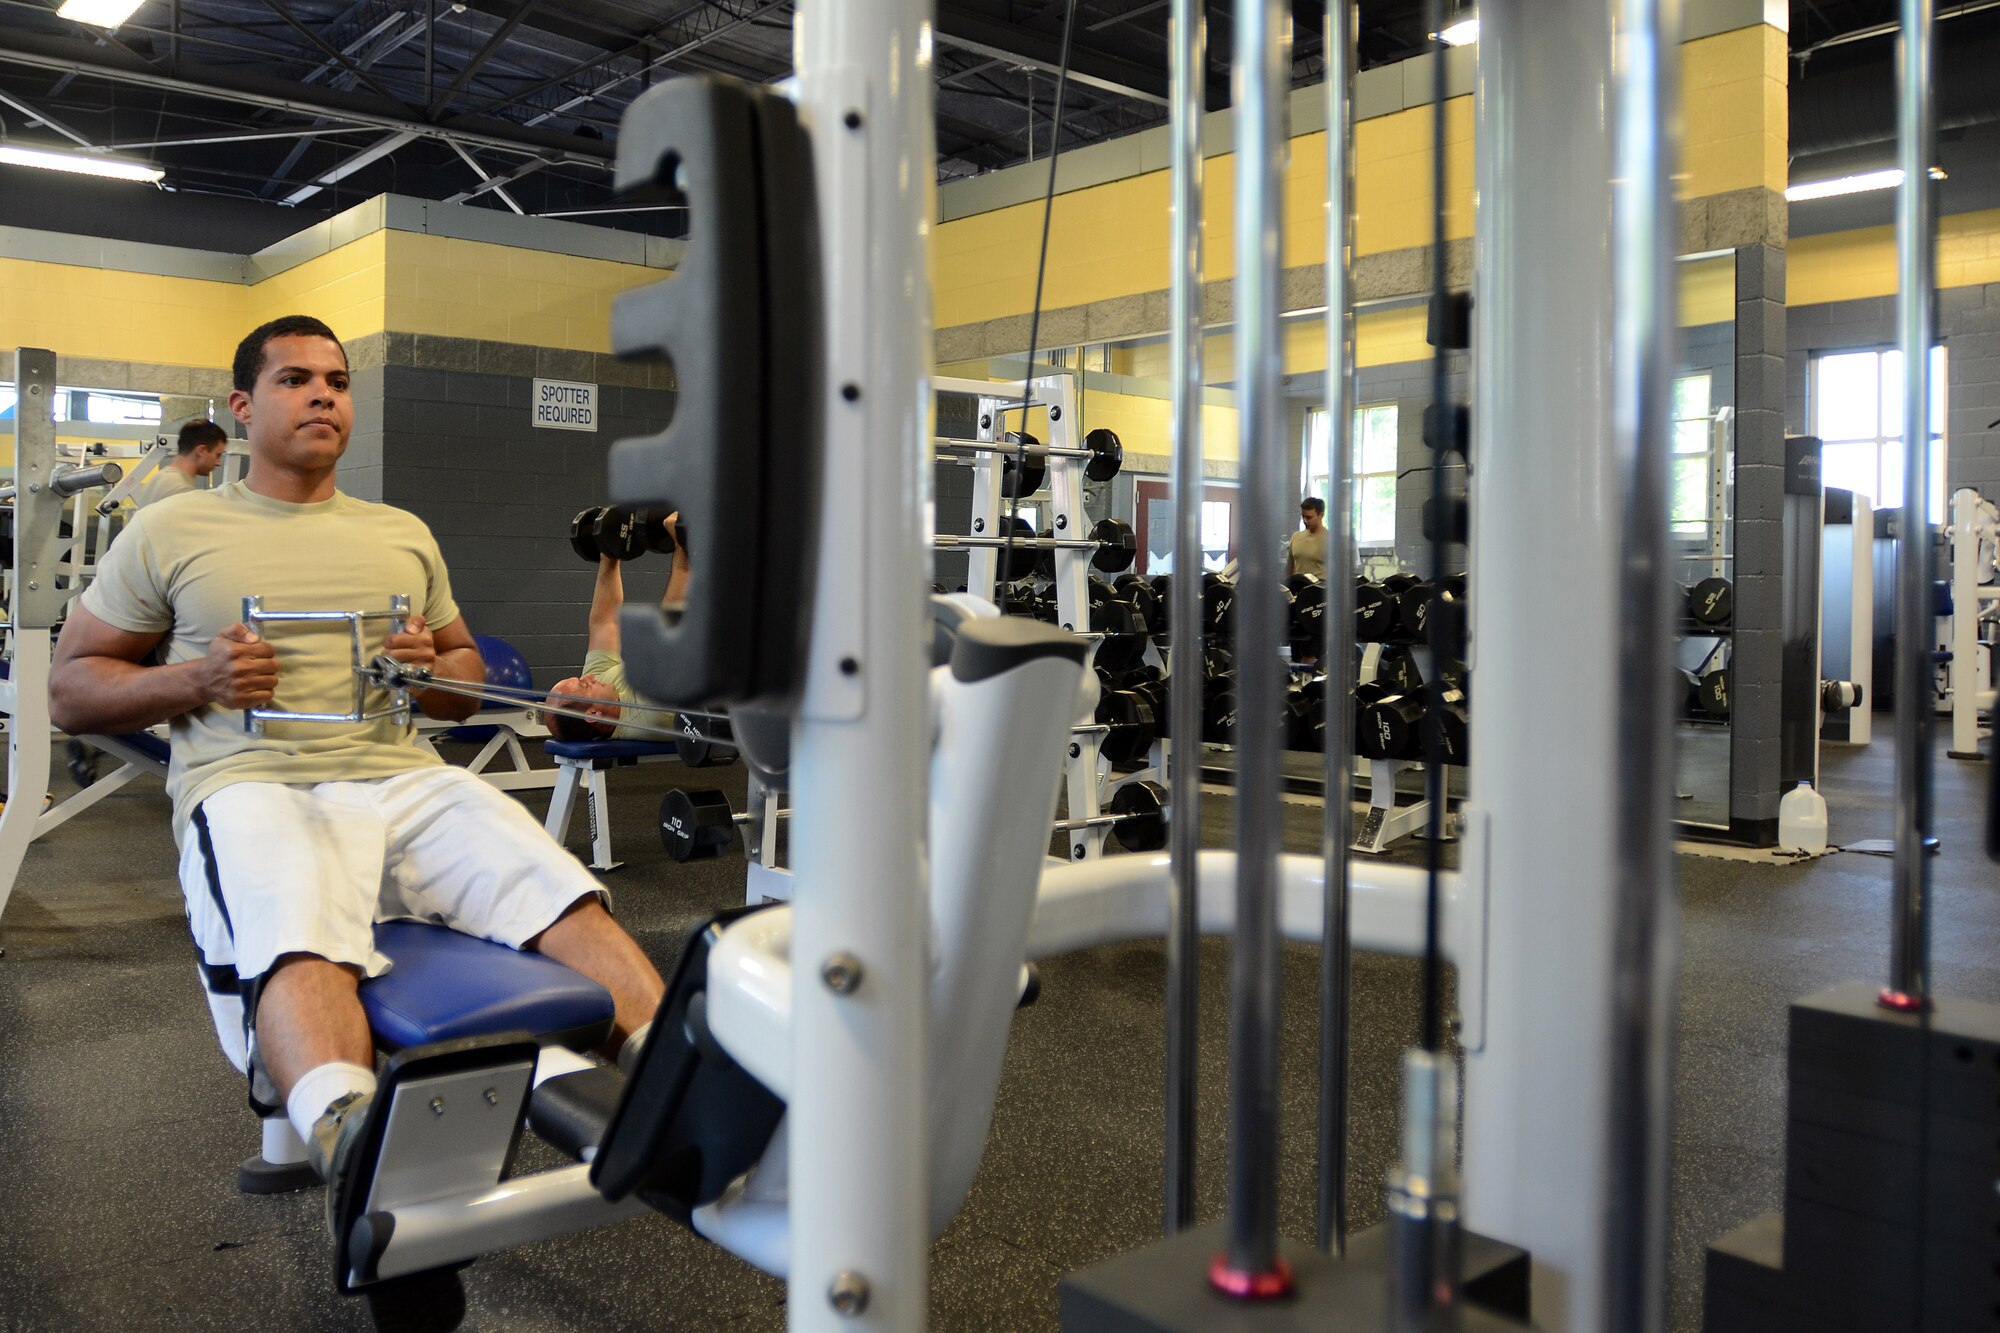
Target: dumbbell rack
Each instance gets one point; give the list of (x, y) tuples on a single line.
[(1085, 769), (1384, 822)]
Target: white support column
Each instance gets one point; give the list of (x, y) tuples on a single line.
[(1557, 808), (860, 1159)]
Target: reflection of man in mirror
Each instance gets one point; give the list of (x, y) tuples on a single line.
[(199, 453), (1305, 553)]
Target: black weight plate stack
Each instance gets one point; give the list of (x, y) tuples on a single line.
[(1453, 728), (1305, 720), (1218, 604), (1397, 668), (1308, 612), (1141, 808), (1130, 718), (696, 825), (582, 533), (1034, 466), (1020, 562), (1140, 593), (1218, 713)]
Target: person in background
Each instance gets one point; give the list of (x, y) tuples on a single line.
[(201, 448), (1306, 551), (622, 715)]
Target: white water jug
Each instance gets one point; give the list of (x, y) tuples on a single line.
[(1802, 820)]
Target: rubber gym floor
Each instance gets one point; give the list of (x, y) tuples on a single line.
[(121, 1124)]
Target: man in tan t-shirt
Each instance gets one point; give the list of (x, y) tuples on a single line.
[(294, 843), (201, 446), (1305, 552)]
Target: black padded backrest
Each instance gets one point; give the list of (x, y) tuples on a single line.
[(740, 322)]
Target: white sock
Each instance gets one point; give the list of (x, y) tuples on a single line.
[(319, 1088), (628, 1054)]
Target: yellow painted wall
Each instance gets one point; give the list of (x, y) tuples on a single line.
[(345, 287), (110, 315), (1849, 265), (1111, 240), (472, 289), (406, 281)]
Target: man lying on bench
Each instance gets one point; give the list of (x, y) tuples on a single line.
[(624, 715), (296, 841)]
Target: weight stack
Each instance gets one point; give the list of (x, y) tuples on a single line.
[(1891, 1221)]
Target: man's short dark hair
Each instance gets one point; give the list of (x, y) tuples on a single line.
[(1314, 503), (199, 433), (249, 362)]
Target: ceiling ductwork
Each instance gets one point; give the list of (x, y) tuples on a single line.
[(1855, 107)]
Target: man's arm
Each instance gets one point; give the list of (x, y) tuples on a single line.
[(605, 598), (98, 683), (450, 654), (676, 595)]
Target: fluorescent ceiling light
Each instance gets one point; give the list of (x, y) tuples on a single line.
[(1860, 184), (76, 162), (103, 13), (1462, 33)]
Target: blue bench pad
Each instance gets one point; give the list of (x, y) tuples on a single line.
[(146, 743), (607, 749), (446, 985)]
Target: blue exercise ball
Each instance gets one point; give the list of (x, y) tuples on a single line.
[(504, 663)]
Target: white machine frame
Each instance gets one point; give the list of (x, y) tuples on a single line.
[(1975, 605)]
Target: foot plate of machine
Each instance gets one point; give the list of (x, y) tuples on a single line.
[(1164, 1288)]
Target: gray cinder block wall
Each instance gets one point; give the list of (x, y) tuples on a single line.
[(443, 429), (1757, 661)]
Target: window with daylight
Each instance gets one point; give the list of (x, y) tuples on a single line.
[(1695, 463), (1374, 470), (1857, 413)]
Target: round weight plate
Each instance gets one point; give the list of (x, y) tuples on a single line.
[(1715, 693), (1018, 563), (1374, 613), (1131, 721), (1711, 602), (620, 533), (1107, 454), (583, 534), (1034, 470), (1142, 811), (1117, 547)]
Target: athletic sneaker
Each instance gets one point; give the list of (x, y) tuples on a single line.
[(332, 1142)]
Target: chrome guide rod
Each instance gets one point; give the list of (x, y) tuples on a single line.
[(1188, 76), (1336, 658), (1645, 36), (1916, 300), (1252, 1266)]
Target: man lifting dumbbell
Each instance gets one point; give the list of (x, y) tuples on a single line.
[(624, 716), (295, 841)]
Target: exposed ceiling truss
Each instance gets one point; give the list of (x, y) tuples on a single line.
[(515, 103)]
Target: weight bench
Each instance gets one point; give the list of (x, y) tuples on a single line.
[(447, 987), (581, 766), (140, 754)]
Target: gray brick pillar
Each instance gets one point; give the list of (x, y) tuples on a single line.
[(1757, 667)]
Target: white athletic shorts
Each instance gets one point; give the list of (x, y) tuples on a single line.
[(269, 869)]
